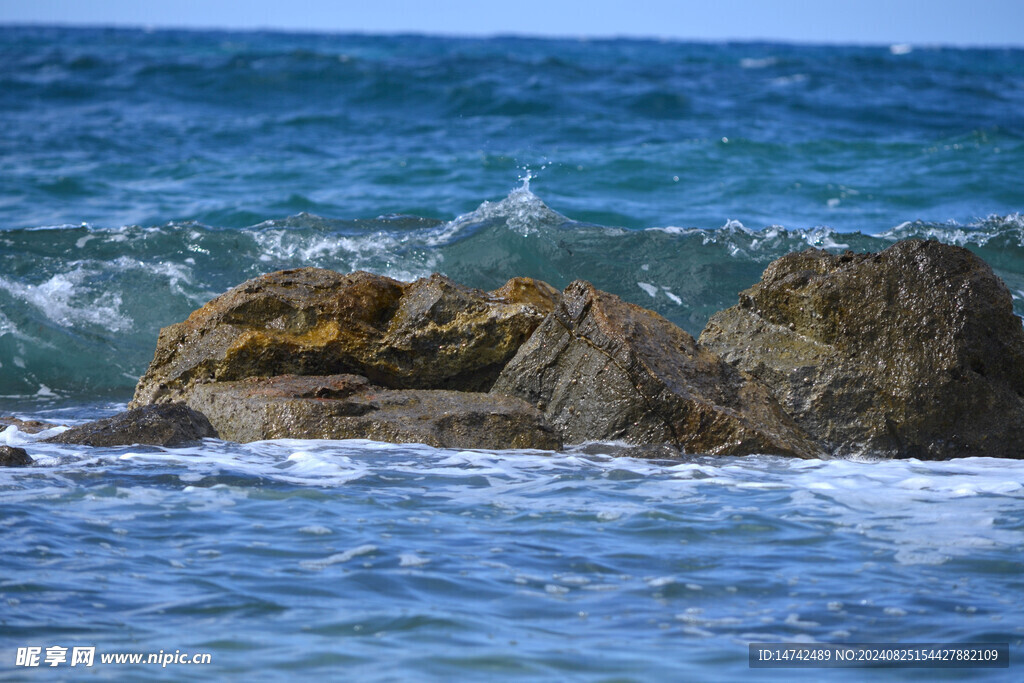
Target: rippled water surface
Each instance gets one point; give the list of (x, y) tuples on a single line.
[(383, 560)]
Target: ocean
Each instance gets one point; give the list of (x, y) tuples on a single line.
[(144, 172)]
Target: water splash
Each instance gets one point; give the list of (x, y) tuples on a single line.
[(522, 211)]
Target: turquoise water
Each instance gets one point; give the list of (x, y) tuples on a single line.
[(144, 173)]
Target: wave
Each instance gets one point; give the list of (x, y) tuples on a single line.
[(80, 307)]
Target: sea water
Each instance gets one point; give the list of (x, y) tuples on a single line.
[(144, 172)]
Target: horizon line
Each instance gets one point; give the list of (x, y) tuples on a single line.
[(152, 28)]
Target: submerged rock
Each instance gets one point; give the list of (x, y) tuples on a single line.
[(602, 369), (911, 352), (429, 334), (26, 426), (350, 407), (169, 424), (12, 456)]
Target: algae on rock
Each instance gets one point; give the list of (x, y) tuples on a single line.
[(432, 333)]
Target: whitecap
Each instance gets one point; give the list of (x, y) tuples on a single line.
[(338, 558), (675, 299), (651, 290), (758, 63), (522, 211), (69, 300), (412, 560)]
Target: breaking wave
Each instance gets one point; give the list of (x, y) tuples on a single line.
[(82, 306)]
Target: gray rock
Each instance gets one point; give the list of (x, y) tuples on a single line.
[(166, 424), (349, 407), (604, 370), (910, 352), (11, 456)]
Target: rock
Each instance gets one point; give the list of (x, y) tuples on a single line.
[(168, 424), (447, 336), (429, 334), (910, 352), (350, 407), (601, 369), (26, 426), (11, 456)]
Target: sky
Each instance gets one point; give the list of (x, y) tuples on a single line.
[(917, 22)]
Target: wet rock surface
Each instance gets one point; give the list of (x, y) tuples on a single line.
[(350, 407), (910, 352), (432, 333), (168, 424), (12, 456), (601, 369)]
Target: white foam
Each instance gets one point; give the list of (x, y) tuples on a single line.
[(338, 558), (789, 80), (315, 465), (364, 252), (660, 581), (795, 620), (651, 290), (758, 63), (69, 300), (412, 560), (521, 210), (978, 233), (741, 242), (82, 241), (12, 436), (675, 299)]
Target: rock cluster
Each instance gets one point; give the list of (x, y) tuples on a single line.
[(910, 352)]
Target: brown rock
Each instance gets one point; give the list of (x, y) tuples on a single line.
[(603, 369), (432, 333), (349, 407), (168, 424), (26, 426), (910, 352), (447, 336)]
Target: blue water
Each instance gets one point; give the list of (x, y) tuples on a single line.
[(143, 173)]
